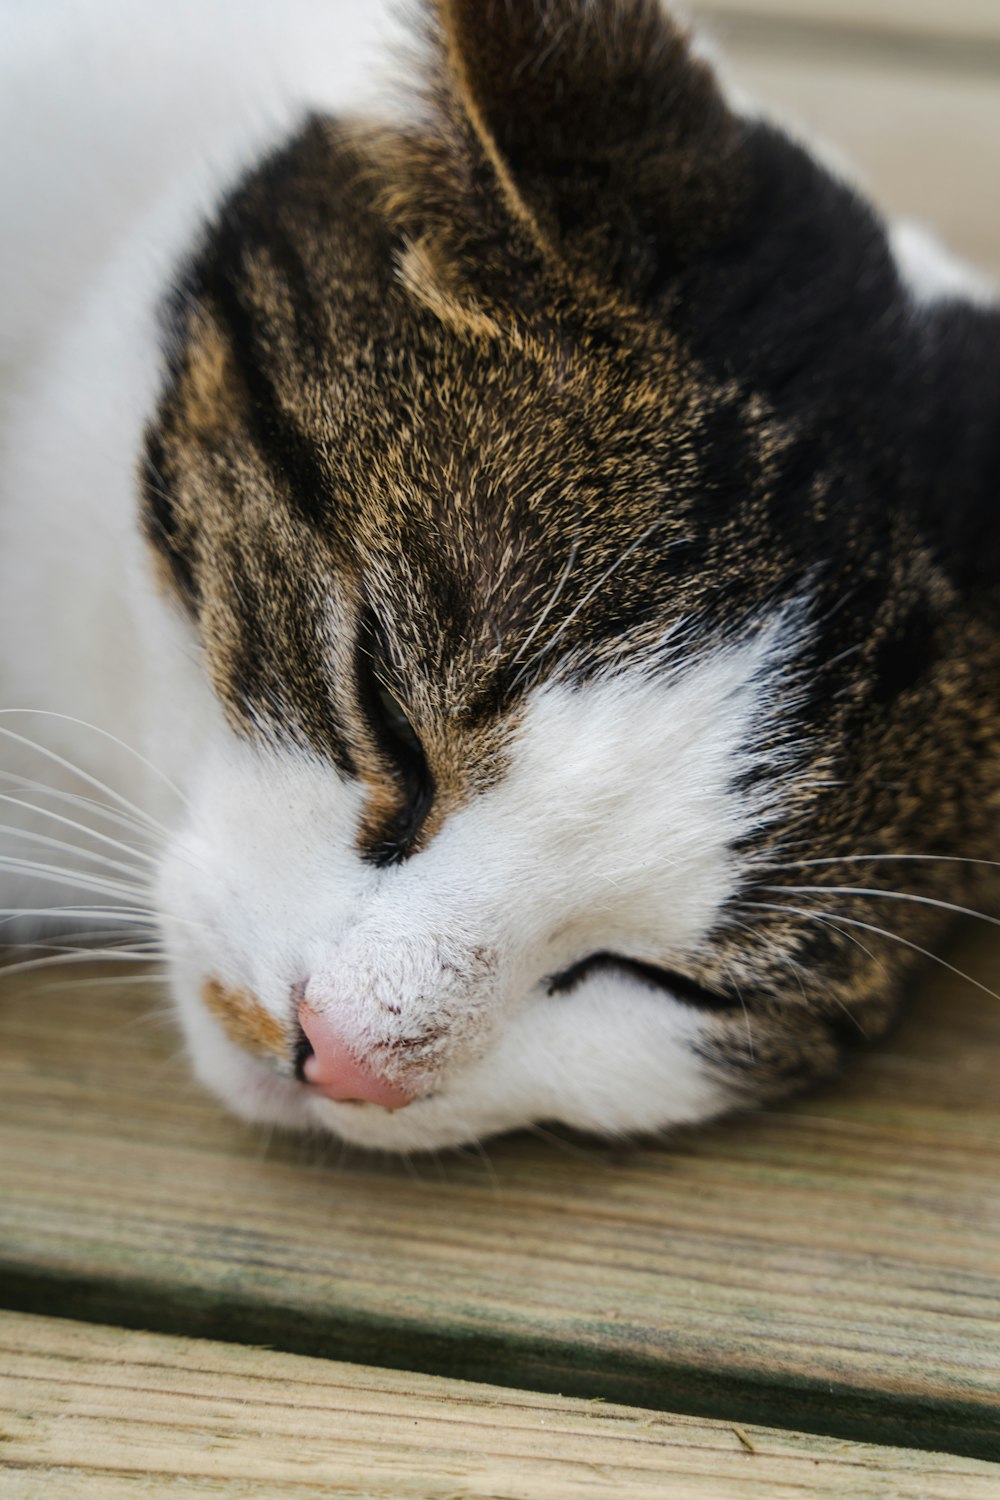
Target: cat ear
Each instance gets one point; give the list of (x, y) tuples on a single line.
[(609, 141)]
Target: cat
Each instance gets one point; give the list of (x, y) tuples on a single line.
[(524, 540)]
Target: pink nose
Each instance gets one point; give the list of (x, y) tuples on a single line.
[(335, 1072)]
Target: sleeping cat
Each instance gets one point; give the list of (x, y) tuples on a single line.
[(525, 540)]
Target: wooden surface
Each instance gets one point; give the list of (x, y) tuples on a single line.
[(93, 1413), (833, 1267)]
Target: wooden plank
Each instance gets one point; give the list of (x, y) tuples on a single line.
[(832, 1266), (925, 145), (100, 1412)]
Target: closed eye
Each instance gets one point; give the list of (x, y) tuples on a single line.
[(399, 744), (394, 718), (678, 985)]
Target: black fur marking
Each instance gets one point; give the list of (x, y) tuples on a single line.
[(406, 756), (892, 410), (677, 985), (291, 457), (901, 659)]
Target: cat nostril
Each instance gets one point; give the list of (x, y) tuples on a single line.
[(324, 1060), (303, 1052)]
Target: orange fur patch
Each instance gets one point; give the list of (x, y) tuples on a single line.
[(427, 281), (245, 1021), (208, 384)]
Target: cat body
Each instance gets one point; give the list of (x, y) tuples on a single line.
[(526, 546)]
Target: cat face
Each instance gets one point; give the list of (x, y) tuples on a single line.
[(554, 489)]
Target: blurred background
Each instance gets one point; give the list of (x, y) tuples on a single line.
[(908, 90)]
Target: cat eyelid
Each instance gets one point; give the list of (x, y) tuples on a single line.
[(380, 699), (394, 716), (398, 742)]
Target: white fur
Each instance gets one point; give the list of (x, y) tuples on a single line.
[(105, 104), (610, 831), (932, 273)]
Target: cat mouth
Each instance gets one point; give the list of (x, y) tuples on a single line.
[(679, 986)]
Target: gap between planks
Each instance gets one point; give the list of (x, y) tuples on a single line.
[(104, 1414)]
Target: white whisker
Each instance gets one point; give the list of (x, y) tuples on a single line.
[(87, 955), (622, 557), (840, 859), (35, 837), (799, 971), (91, 833), (45, 713), (99, 913), (85, 936), (849, 890), (77, 799), (164, 1017), (85, 776), (746, 1013), (553, 600), (879, 932), (86, 952), (61, 876)]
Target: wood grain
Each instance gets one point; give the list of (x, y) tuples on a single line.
[(833, 1266), (100, 1413)]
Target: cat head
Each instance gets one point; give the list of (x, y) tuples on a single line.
[(554, 489)]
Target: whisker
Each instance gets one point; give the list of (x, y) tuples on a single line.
[(61, 876), (91, 833), (832, 994), (77, 799), (839, 859), (59, 960), (746, 1013), (163, 1016), (621, 558), (45, 713), (34, 837), (81, 913), (880, 932), (798, 971), (137, 916), (86, 935), (88, 953), (85, 776), (553, 600), (848, 890)]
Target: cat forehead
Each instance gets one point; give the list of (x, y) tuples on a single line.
[(370, 385), (326, 420)]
